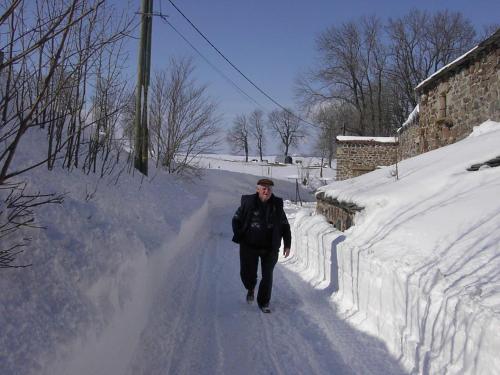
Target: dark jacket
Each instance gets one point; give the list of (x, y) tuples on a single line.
[(251, 210)]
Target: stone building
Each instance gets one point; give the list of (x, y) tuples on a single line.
[(359, 155), (459, 96), (452, 101)]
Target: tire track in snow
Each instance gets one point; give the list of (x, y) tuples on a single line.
[(270, 350)]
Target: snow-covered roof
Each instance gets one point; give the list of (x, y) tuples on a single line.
[(460, 60), (352, 138)]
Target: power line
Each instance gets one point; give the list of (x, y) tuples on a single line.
[(236, 68), (212, 65)]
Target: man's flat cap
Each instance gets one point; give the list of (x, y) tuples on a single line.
[(265, 182)]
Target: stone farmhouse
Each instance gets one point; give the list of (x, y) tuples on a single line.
[(460, 96), (452, 101)]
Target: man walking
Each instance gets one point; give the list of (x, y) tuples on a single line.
[(259, 225)]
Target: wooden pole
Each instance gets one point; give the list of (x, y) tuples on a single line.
[(141, 98)]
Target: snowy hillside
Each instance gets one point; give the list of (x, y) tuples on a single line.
[(420, 267)]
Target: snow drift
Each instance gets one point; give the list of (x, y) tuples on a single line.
[(420, 267)]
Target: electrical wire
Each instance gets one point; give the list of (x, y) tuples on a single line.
[(236, 68), (229, 80)]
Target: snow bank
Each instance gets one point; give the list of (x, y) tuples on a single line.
[(97, 265), (419, 269)]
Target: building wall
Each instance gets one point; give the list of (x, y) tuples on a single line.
[(450, 109), (409, 141), (355, 158), (340, 214)]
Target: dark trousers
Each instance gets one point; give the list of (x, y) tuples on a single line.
[(249, 262)]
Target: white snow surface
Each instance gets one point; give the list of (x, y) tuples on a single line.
[(139, 276), (352, 138), (308, 168), (420, 267)]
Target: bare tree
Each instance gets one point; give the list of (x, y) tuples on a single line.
[(47, 72), (256, 122), (239, 135), (331, 123), (374, 68), (50, 49), (421, 43), (287, 127), (488, 30), (184, 122), (352, 71)]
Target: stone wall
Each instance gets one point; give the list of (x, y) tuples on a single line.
[(340, 214), (464, 98), (355, 158), (409, 137)]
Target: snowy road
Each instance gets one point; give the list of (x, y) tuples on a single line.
[(200, 323), (194, 319)]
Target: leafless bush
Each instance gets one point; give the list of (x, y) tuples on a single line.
[(18, 212), (183, 119), (54, 54)]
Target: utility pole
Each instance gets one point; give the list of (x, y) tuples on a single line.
[(141, 99)]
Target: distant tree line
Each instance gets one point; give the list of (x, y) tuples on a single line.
[(249, 131)]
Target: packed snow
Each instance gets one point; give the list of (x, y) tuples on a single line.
[(139, 275), (420, 267)]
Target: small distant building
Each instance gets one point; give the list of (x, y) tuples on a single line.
[(283, 159), (359, 155), (459, 96)]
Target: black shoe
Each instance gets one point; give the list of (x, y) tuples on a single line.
[(250, 296), (265, 309)]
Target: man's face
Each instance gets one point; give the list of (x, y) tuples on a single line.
[(264, 192)]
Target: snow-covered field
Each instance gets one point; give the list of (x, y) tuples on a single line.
[(420, 268), (305, 170)]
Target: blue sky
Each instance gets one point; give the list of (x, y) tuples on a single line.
[(271, 41)]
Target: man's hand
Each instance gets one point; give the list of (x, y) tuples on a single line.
[(286, 251)]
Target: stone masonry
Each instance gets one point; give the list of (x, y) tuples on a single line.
[(409, 137), (340, 214), (356, 157), (461, 96)]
